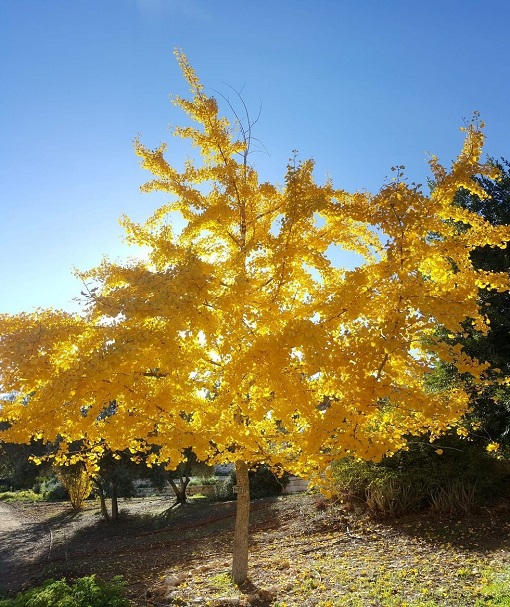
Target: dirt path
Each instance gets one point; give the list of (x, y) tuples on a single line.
[(23, 541), (8, 519), (41, 540)]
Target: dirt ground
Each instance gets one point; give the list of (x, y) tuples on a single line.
[(48, 539), (295, 541)]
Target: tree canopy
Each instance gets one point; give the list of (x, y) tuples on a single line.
[(239, 336)]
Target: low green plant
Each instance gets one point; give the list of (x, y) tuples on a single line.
[(389, 495), (497, 592), (84, 592), (53, 490), (204, 480), (382, 489), (21, 496), (222, 582), (455, 495)]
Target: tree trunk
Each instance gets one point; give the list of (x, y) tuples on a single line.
[(240, 558), (180, 490), (115, 503), (102, 501)]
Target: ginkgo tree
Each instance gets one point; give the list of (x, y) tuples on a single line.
[(239, 337)]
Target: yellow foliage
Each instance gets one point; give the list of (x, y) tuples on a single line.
[(77, 482), (239, 336)]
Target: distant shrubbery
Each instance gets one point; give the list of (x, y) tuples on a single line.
[(204, 480), (263, 483), (84, 592), (52, 489)]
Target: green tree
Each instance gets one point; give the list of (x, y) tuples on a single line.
[(17, 469), (489, 418)]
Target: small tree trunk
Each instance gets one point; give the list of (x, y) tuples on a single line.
[(115, 503), (102, 501), (184, 482), (179, 490), (240, 557)]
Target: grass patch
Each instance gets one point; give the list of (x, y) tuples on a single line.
[(222, 582), (21, 496)]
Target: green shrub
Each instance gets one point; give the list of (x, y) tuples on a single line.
[(204, 480), (497, 592), (382, 489), (20, 496), (225, 487), (457, 479), (84, 592), (265, 483), (454, 495), (53, 490)]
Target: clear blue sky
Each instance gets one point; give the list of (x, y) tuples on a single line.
[(360, 85)]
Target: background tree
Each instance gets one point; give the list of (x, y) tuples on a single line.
[(409, 479), (489, 419), (180, 477), (17, 470), (240, 337), (110, 473), (114, 478)]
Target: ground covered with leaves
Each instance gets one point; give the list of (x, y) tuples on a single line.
[(305, 552)]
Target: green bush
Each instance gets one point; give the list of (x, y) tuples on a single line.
[(53, 490), (497, 592), (382, 489), (20, 496), (203, 480), (457, 479), (84, 592), (265, 483)]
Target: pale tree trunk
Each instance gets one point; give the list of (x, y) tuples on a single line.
[(240, 559)]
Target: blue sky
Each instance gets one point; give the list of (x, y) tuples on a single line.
[(359, 85)]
